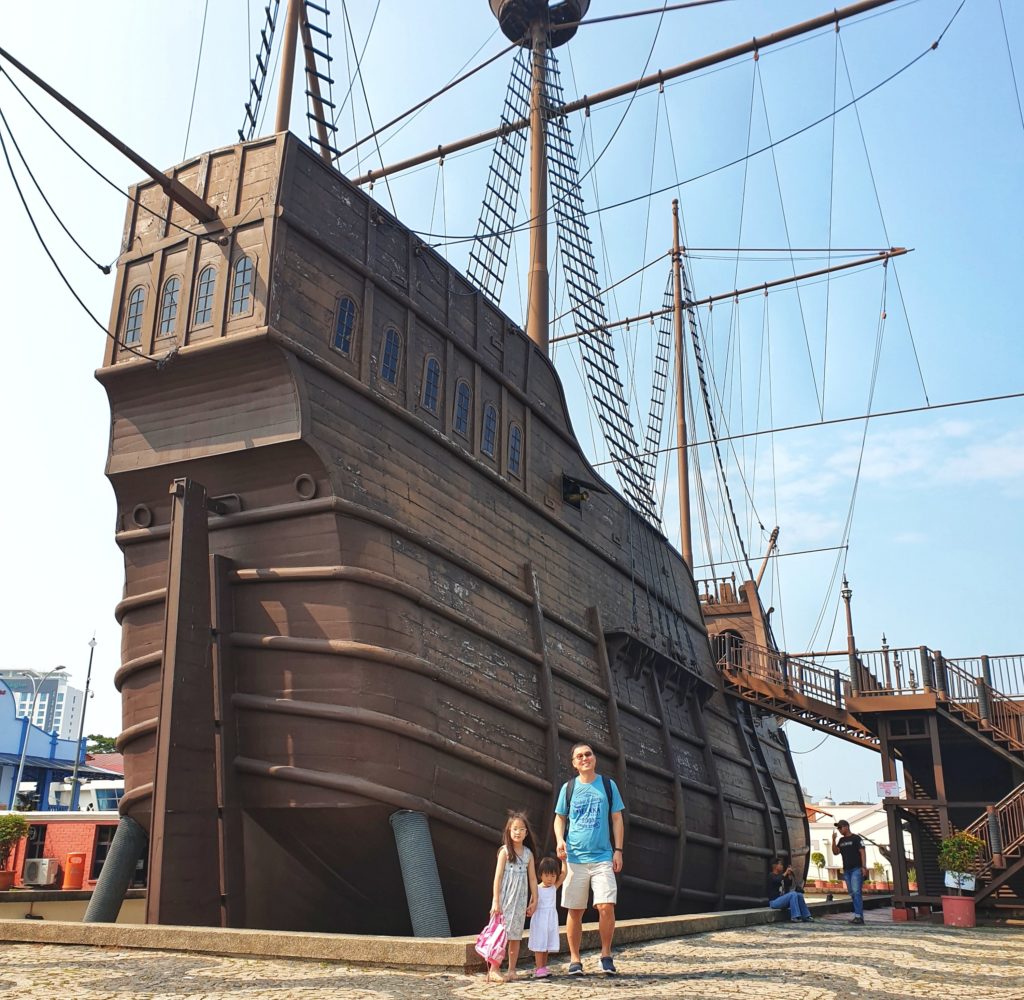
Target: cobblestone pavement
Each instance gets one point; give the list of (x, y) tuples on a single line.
[(823, 961)]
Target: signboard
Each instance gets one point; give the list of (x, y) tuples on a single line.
[(956, 880), (887, 789)]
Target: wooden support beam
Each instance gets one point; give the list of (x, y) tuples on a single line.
[(184, 853)]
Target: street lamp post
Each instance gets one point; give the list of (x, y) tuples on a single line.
[(37, 682), (81, 728)]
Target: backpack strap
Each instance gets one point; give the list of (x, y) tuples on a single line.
[(608, 791), (569, 786)]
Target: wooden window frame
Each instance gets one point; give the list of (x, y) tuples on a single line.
[(133, 317), (431, 363), (249, 299), (172, 320), (200, 297), (463, 430), (392, 342), (351, 331)]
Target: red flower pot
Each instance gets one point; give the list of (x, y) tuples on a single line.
[(958, 911)]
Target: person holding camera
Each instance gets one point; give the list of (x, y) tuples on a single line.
[(782, 893), (855, 865)]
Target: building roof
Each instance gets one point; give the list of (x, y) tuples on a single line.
[(62, 766), (109, 761)]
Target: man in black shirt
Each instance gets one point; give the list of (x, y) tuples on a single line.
[(855, 870)]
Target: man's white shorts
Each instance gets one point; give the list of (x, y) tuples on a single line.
[(583, 877)]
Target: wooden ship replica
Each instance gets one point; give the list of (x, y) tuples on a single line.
[(370, 576)]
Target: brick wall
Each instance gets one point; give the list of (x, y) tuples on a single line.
[(62, 838)]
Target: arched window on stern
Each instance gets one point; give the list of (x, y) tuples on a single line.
[(169, 306), (489, 431), (431, 384), (344, 325), (463, 398), (242, 285), (204, 296), (392, 356), (515, 450), (133, 317)]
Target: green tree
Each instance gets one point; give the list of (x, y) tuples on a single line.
[(100, 744)]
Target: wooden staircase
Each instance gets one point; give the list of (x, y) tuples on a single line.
[(1001, 829), (960, 739)]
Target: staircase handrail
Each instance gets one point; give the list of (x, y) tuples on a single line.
[(1001, 828)]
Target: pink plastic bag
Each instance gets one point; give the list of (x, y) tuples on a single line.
[(492, 940)]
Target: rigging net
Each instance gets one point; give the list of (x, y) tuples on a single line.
[(488, 255), (580, 275)]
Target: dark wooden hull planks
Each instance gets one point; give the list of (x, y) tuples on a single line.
[(398, 611)]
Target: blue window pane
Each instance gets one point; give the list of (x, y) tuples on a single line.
[(490, 431), (432, 385), (462, 398), (345, 325), (169, 306), (107, 798), (389, 364), (515, 450), (241, 287), (204, 296), (133, 320)]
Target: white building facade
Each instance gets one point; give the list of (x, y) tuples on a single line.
[(866, 819), (59, 705)]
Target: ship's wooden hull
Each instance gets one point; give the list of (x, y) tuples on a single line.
[(399, 618)]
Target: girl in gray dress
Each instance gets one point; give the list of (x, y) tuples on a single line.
[(515, 888)]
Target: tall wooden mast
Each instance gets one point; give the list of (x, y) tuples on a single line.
[(683, 460), (540, 26), (537, 315)]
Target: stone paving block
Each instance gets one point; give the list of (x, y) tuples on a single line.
[(827, 960)]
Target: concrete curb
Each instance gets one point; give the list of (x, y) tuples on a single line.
[(448, 954)]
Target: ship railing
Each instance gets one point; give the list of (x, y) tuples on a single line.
[(1001, 829), (1003, 673), (795, 675), (711, 589)]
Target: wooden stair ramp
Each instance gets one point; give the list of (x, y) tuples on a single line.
[(794, 688)]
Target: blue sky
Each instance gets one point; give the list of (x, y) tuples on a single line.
[(934, 162)]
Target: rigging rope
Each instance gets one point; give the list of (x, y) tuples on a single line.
[(881, 214), (213, 238), (738, 160), (1013, 72), (362, 86), (53, 260), (819, 398), (104, 268), (195, 83)]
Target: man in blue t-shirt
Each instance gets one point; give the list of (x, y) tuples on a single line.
[(593, 849)]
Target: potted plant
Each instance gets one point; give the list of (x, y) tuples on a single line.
[(880, 879), (912, 878), (818, 860), (956, 858), (12, 829)]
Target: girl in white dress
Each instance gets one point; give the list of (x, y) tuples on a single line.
[(515, 889), (544, 922)]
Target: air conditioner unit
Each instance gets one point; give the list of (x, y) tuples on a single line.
[(39, 871)]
